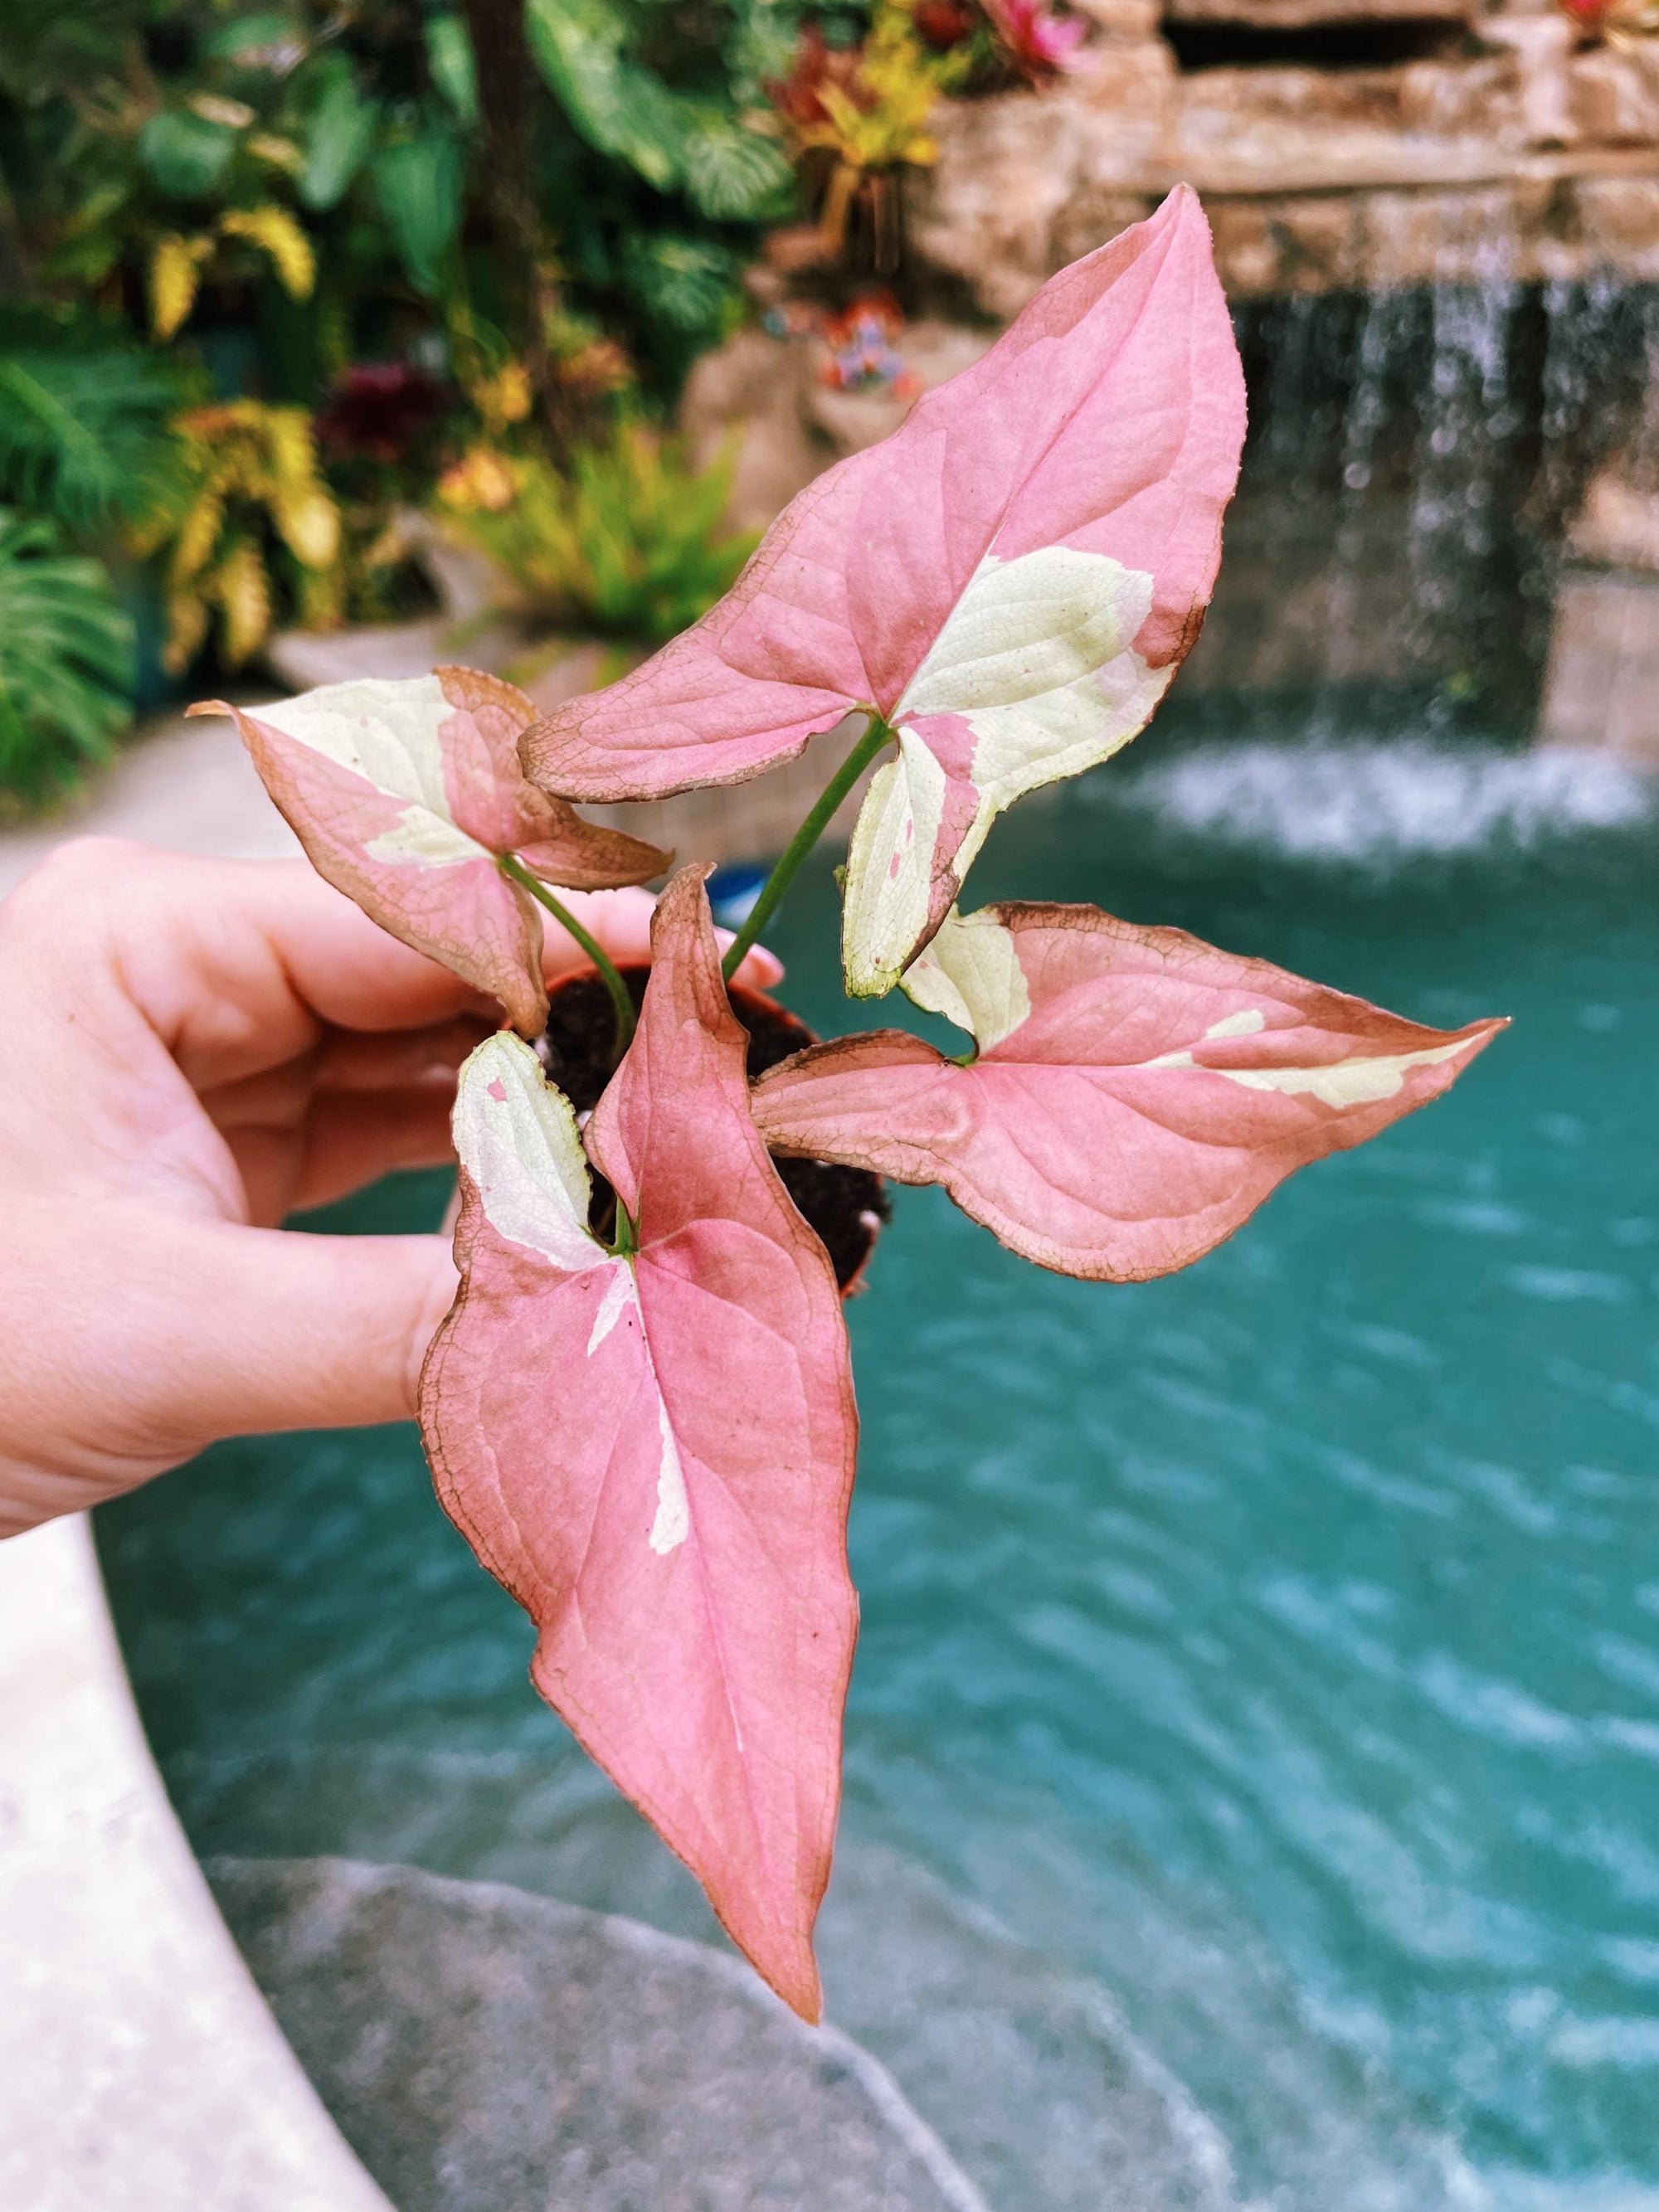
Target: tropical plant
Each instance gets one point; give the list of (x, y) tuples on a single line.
[(177, 262), (66, 656), (640, 1409), (866, 109), (858, 113), (255, 526), (87, 449), (628, 542), (394, 170), (85, 424)]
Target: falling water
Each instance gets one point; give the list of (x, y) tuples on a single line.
[(1415, 458)]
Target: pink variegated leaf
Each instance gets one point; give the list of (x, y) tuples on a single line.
[(1136, 1093), (404, 796), (654, 1452), (1009, 579)]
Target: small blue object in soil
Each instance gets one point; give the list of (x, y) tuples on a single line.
[(733, 891)]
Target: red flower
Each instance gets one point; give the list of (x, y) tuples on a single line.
[(816, 64), (942, 24), (375, 409)]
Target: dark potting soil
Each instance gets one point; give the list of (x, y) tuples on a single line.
[(845, 1205)]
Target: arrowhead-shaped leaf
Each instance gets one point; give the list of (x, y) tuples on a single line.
[(403, 795), (1136, 1093), (1011, 580), (654, 1453)]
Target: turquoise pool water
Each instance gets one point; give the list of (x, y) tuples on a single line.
[(1253, 1761)]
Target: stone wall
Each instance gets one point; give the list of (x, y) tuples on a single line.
[(1502, 148)]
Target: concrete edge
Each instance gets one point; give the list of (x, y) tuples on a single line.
[(140, 2068)]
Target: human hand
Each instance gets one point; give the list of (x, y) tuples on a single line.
[(190, 1049)]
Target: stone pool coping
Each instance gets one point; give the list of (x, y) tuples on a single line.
[(140, 2068)]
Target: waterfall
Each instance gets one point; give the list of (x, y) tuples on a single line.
[(1415, 459)]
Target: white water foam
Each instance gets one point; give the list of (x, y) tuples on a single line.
[(1528, 2192), (1377, 803)]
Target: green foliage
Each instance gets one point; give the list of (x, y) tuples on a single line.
[(156, 148), (617, 106), (184, 155), (66, 664), (274, 190), (687, 284), (449, 58), (47, 47), (85, 435), (340, 129), (628, 545), (734, 175), (420, 180), (676, 141)]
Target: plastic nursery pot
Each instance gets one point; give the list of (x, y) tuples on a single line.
[(846, 1206)]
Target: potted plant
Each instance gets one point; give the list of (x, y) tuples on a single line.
[(640, 1409)]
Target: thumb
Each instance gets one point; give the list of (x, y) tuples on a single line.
[(301, 1332)]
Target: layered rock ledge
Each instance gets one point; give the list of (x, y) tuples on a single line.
[(1336, 143)]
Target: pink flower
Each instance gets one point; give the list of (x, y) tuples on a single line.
[(1037, 41)]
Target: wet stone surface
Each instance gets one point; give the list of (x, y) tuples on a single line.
[(486, 2051)]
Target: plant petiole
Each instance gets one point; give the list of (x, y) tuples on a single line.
[(879, 733), (627, 1241), (516, 872)]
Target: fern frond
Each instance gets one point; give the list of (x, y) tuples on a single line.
[(85, 431), (66, 663)]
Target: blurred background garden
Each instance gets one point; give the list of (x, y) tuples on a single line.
[(523, 317), (301, 300), (1253, 1755)]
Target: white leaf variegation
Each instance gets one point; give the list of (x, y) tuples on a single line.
[(408, 795), (390, 734), (1024, 634), (890, 862), (516, 1136), (971, 974), (1363, 1079), (1034, 677)]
